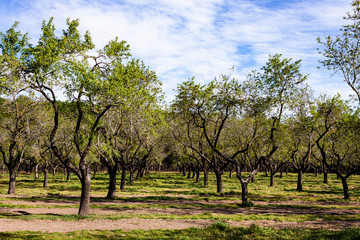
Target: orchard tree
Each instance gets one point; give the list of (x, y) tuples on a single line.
[(17, 104), (301, 136), (93, 83), (193, 104), (341, 53), (339, 148), (262, 100), (130, 135), (185, 125)]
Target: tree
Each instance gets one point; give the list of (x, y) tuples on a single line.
[(192, 105), (342, 52), (262, 100), (339, 148), (93, 84), (185, 126), (17, 105), (301, 136), (129, 135)]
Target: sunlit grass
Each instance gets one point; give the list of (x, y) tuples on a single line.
[(165, 184), (218, 230), (162, 191), (203, 216)]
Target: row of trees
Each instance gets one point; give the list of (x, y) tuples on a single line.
[(62, 102), (96, 121)]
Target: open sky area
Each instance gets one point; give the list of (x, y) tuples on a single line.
[(180, 39)]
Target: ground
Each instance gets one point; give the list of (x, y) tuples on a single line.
[(59, 207), (172, 201)]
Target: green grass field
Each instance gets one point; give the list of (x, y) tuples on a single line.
[(173, 196)]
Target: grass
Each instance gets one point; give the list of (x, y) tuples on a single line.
[(206, 216), (173, 191), (218, 230), (173, 186)]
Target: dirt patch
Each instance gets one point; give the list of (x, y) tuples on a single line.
[(181, 211), (11, 225), (182, 206)]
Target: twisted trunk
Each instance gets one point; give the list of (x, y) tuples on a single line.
[(12, 180), (84, 209), (112, 182)]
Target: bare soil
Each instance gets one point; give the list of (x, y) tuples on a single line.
[(69, 206)]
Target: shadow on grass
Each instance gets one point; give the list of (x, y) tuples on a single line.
[(218, 230)]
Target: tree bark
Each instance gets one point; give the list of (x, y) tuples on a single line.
[(345, 187), (37, 171), (68, 174), (272, 177), (325, 177), (244, 192), (206, 178), (219, 187), (46, 177), (197, 176), (123, 179), (12, 175), (84, 209), (253, 179), (300, 181), (112, 182), (131, 176)]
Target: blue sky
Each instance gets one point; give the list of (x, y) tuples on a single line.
[(180, 39)]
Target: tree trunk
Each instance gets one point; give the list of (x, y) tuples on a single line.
[(131, 176), (189, 173), (272, 177), (230, 173), (299, 181), (123, 179), (345, 187), (206, 178), (219, 187), (68, 175), (46, 177), (325, 177), (84, 209), (244, 192), (37, 171), (281, 174), (184, 171), (12, 175), (112, 182), (142, 172), (253, 179), (197, 176)]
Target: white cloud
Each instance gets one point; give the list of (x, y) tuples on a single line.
[(201, 38)]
